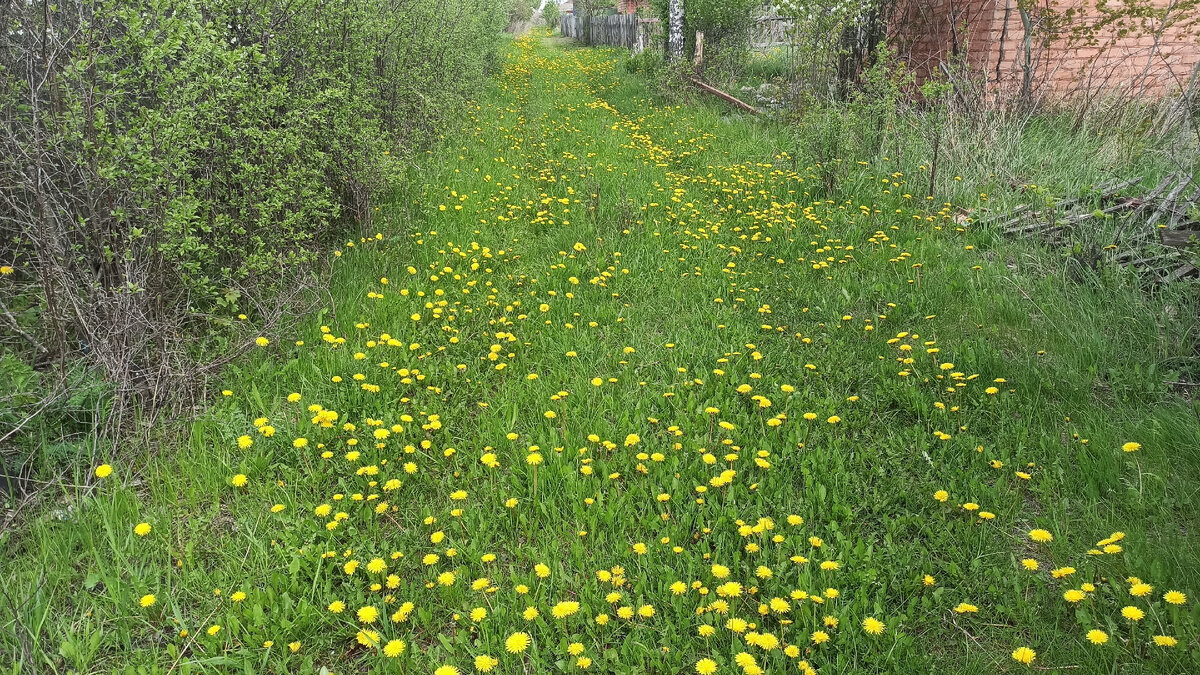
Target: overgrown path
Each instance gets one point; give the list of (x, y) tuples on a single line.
[(628, 389)]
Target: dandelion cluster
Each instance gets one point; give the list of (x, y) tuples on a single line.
[(497, 461)]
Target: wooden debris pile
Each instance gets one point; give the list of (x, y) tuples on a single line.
[(1152, 234)]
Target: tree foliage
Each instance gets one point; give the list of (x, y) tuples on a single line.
[(551, 14)]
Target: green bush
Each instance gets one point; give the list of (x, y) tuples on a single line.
[(183, 150), (166, 165)]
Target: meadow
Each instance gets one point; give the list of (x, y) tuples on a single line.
[(620, 386)]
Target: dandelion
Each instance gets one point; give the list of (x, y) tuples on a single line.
[(147, 600), (239, 480), (1131, 447), (1132, 613), (516, 643), (564, 609), (1097, 637), (142, 529), (873, 626), (1041, 536), (1074, 595), (485, 663), (104, 471), (1140, 590), (1175, 597), (367, 614), (1024, 655), (1165, 641)]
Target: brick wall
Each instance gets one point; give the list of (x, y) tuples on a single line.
[(631, 6), (991, 35), (929, 32)]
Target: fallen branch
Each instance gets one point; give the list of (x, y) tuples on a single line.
[(728, 98)]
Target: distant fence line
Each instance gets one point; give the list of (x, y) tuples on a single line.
[(617, 30), (634, 33)]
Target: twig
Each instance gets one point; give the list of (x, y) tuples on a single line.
[(17, 329)]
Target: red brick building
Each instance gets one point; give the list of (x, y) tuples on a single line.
[(1154, 56), (631, 6)]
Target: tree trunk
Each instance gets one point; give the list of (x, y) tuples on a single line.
[(675, 34), (1026, 57)]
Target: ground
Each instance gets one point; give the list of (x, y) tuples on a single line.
[(623, 387)]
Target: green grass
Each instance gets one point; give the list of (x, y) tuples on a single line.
[(644, 262)]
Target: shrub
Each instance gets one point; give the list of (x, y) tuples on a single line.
[(167, 165)]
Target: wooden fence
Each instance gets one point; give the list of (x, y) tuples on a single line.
[(631, 32), (770, 31), (618, 30)]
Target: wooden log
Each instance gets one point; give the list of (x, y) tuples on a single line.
[(726, 97)]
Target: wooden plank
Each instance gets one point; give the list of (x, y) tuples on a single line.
[(1110, 187), (1080, 217), (1170, 199), (1013, 214), (726, 97), (1143, 262), (1032, 228), (1182, 273)]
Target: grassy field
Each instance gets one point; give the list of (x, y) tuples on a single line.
[(621, 387)]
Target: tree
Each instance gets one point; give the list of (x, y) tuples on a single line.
[(675, 30), (725, 23), (521, 11), (551, 14)]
